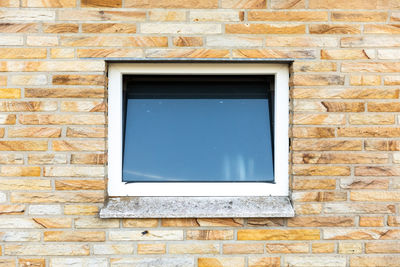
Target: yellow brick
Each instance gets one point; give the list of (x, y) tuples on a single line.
[(321, 79), (151, 248), (62, 53), (74, 79), (306, 184), (23, 145), (127, 41), (315, 221), (307, 209), (264, 28), (221, 262), (314, 132), (7, 118), (187, 41), (329, 145), (22, 53), (278, 234), (39, 132), (346, 54), (346, 93), (359, 16), (370, 67), (12, 209), (362, 80), (101, 3), (54, 222), (140, 223), (60, 28), (81, 210), (109, 28), (47, 159), (94, 159), (171, 4), (287, 16), (65, 92), (110, 52), (87, 145), (100, 15), (393, 221), (319, 119), (80, 184), (19, 184), (31, 106), (57, 197), (340, 158), (10, 93), (367, 221), (334, 29), (188, 53), (74, 236), (19, 27), (323, 247), (85, 132), (319, 196), (40, 3), (288, 4), (368, 132), (301, 66), (61, 119), (272, 53), (32, 262), (371, 119), (287, 248), (222, 16)]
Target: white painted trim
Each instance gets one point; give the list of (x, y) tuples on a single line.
[(118, 188)]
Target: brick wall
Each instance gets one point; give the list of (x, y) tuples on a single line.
[(345, 128)]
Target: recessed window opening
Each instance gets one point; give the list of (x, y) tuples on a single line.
[(198, 128)]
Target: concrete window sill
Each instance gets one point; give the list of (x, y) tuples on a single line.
[(197, 207)]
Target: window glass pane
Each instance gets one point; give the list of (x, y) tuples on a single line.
[(197, 131)]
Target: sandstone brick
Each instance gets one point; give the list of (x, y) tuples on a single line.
[(278, 234), (223, 16), (369, 93), (19, 184), (11, 40), (100, 15), (309, 261), (23, 145), (338, 158), (371, 119), (167, 15), (45, 66), (319, 119), (253, 4), (60, 119), (74, 236), (386, 247), (7, 119), (371, 221), (87, 145), (264, 28), (369, 41), (187, 41), (342, 4), (359, 16), (89, 223), (305, 66), (40, 3), (11, 159), (272, 53), (151, 248), (31, 106), (60, 28), (287, 248), (209, 234), (155, 261), (92, 159), (221, 262), (57, 197), (265, 222), (346, 54), (364, 183), (146, 235), (81, 209), (393, 221), (320, 79), (329, 145), (287, 4), (65, 92), (74, 79), (234, 41), (370, 67), (392, 145), (334, 29), (109, 52), (7, 262), (362, 261), (22, 53), (323, 248), (42, 40), (350, 248), (101, 3), (234, 222), (21, 223), (391, 80), (12, 209), (368, 132), (313, 132), (47, 159), (156, 28), (19, 27), (108, 28), (62, 53), (382, 28), (140, 223), (181, 222), (360, 234), (193, 249), (27, 15), (307, 209), (87, 261), (32, 262), (113, 249), (316, 196), (125, 41), (80, 184), (83, 106), (388, 196), (362, 80), (187, 53), (299, 41), (287, 16), (46, 250), (39, 132), (243, 248), (44, 210), (358, 208), (28, 80), (306, 184), (169, 4), (265, 261), (73, 171), (320, 170), (10, 93)]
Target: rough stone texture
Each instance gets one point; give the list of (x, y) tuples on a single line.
[(345, 147)]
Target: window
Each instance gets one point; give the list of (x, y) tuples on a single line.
[(196, 129)]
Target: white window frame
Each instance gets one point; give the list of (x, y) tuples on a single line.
[(281, 128)]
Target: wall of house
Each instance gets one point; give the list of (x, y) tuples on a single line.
[(345, 130)]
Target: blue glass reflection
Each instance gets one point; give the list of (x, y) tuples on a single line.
[(194, 140)]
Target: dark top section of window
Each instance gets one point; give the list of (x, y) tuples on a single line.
[(197, 87)]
